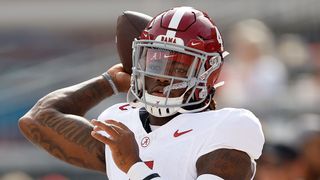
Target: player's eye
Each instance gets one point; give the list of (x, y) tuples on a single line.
[(180, 72)]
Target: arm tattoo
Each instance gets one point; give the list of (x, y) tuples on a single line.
[(39, 138), (80, 98), (68, 139), (73, 130), (55, 123), (225, 163)]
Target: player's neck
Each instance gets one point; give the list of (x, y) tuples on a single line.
[(159, 121)]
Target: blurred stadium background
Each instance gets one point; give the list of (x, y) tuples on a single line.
[(273, 69)]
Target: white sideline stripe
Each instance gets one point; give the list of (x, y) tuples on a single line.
[(175, 21)]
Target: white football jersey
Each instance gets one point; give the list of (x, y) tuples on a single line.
[(172, 150)]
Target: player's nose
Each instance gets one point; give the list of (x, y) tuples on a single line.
[(163, 80)]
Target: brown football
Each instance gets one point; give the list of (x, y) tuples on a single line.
[(129, 26)]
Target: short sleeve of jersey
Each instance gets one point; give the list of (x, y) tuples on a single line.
[(241, 131), (112, 111)]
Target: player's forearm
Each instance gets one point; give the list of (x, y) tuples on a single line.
[(66, 137), (77, 99)]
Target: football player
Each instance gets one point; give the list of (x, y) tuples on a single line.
[(169, 129)]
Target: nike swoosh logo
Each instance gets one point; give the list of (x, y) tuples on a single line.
[(169, 56), (194, 44), (177, 133)]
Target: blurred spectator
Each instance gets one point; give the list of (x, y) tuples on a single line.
[(256, 76), (305, 90), (279, 162), (292, 50), (304, 74)]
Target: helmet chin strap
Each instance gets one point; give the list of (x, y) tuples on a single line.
[(165, 111), (154, 110), (162, 111)]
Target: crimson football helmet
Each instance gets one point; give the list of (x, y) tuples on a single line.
[(176, 63)]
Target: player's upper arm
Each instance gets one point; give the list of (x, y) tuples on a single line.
[(232, 146), (225, 163), (242, 131)]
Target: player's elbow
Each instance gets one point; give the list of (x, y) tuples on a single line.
[(25, 124), (31, 120), (36, 113)]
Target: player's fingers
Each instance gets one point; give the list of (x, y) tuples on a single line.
[(102, 138), (119, 124), (116, 126), (97, 128), (108, 129), (99, 125)]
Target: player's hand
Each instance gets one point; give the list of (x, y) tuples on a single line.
[(120, 77), (122, 143)]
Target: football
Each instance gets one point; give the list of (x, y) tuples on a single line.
[(129, 26)]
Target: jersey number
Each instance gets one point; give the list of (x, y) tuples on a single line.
[(123, 107)]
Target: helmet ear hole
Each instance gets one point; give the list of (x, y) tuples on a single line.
[(203, 93)]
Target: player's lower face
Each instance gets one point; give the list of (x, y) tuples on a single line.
[(156, 85)]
